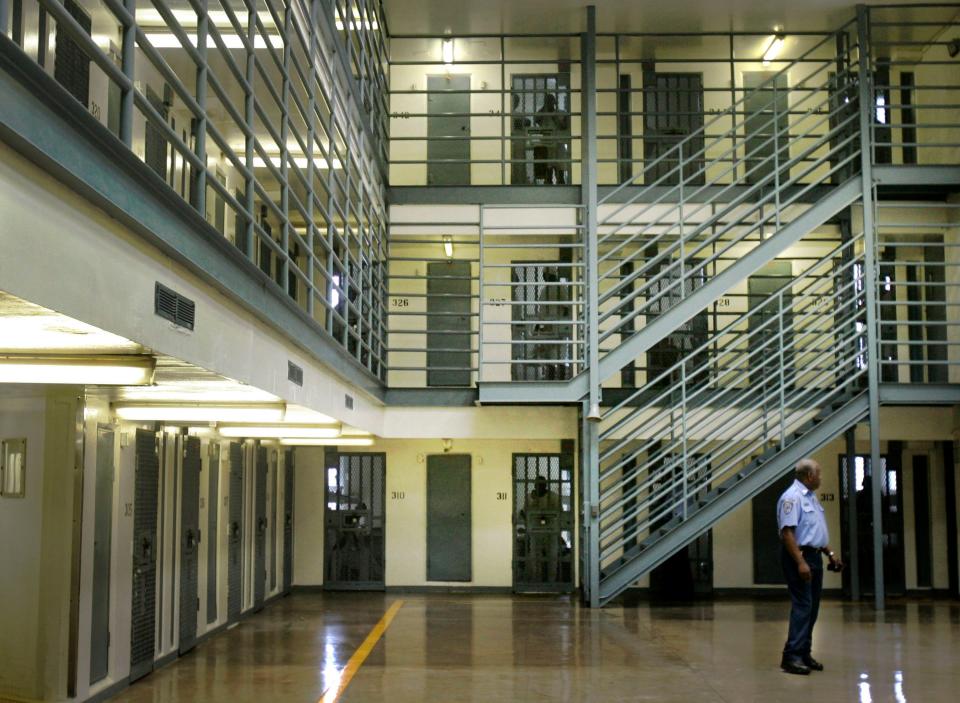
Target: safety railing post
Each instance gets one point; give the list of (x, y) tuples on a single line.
[(870, 287), (781, 373), (683, 437)]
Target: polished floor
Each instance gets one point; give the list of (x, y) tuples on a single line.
[(451, 648)]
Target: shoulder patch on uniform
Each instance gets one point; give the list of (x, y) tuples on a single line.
[(787, 507)]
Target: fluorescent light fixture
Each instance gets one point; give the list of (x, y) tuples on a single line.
[(339, 442), (446, 49), (168, 40), (881, 109), (280, 431), (448, 246), (299, 160), (358, 22), (200, 412), (773, 49), (108, 370)]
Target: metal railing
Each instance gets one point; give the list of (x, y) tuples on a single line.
[(915, 51), (499, 109), (532, 282), (918, 265), (689, 218), (244, 109), (753, 385)]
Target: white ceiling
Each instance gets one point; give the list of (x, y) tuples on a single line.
[(558, 16)]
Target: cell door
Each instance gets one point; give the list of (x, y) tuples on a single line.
[(102, 533), (71, 65), (542, 324), (235, 535), (665, 293), (540, 129), (672, 111), (144, 587), (767, 123), (766, 325), (449, 323), (448, 130), (542, 523), (261, 524), (688, 572), (354, 543), (449, 518), (189, 544), (213, 513), (891, 512), (155, 143), (288, 471), (274, 482)]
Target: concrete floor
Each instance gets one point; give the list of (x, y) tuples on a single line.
[(454, 648)]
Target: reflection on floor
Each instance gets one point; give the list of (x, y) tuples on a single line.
[(452, 648)]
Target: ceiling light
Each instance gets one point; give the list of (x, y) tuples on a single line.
[(773, 49), (166, 40), (197, 412), (115, 370), (277, 431), (339, 442), (447, 51), (448, 246)]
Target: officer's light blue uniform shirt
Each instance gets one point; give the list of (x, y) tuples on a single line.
[(799, 508)]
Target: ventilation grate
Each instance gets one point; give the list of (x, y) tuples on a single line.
[(348, 401), (294, 373), (172, 306)]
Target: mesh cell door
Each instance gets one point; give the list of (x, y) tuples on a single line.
[(542, 523), (354, 544), (103, 521), (542, 324), (274, 482), (71, 65), (235, 535), (189, 544), (146, 495), (672, 113)]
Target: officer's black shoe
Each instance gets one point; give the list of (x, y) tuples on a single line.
[(812, 663), (794, 666)]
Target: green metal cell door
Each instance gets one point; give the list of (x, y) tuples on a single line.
[(189, 544), (235, 535), (448, 130), (213, 512), (449, 518), (144, 612), (288, 464), (767, 123), (260, 524), (102, 530), (448, 323)]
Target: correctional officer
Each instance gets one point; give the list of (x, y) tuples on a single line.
[(803, 533)]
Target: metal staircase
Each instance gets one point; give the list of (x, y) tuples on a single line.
[(722, 202), (732, 415)]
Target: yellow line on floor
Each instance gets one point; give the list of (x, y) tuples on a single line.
[(356, 661)]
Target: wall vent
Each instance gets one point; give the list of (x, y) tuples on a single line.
[(172, 306), (348, 401), (294, 373)]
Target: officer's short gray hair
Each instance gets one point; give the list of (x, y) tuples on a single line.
[(806, 467)]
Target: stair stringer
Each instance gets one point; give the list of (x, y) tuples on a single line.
[(738, 490)]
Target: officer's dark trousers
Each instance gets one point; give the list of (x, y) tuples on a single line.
[(804, 601)]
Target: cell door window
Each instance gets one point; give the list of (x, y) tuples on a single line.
[(540, 129)]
